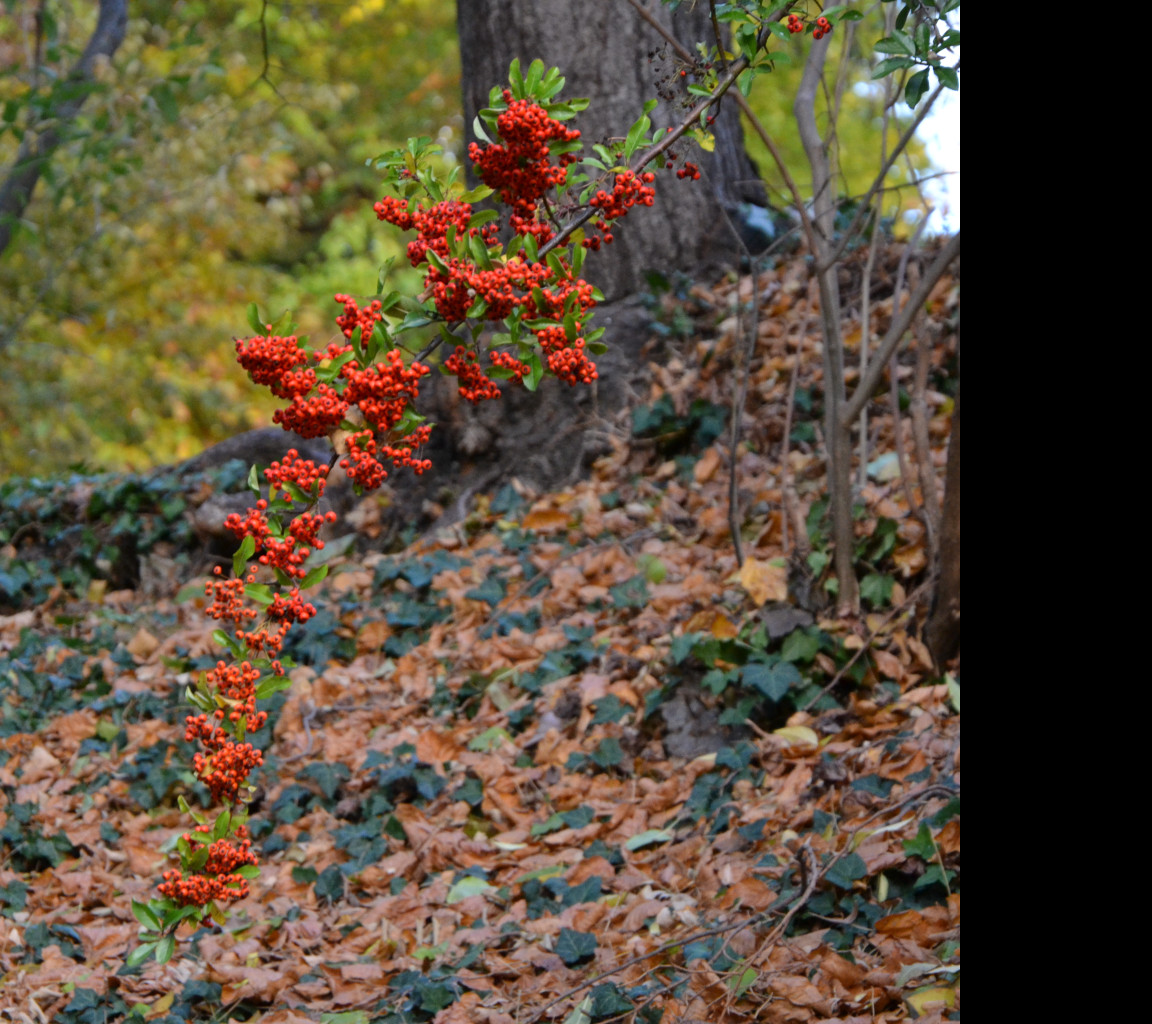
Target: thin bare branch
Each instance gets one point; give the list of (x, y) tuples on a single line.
[(900, 323), (37, 147)]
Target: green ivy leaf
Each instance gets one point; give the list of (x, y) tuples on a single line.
[(574, 947)]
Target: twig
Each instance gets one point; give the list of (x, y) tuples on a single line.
[(866, 283), (900, 323), (833, 256), (788, 497)]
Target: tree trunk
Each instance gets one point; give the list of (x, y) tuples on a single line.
[(38, 145), (603, 48), (942, 631)]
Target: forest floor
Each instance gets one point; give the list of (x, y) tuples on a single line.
[(566, 761)]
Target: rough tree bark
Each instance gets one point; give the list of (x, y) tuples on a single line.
[(41, 140)]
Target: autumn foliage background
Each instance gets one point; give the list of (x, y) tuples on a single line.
[(568, 750)]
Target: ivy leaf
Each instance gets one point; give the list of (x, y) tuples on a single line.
[(573, 947)]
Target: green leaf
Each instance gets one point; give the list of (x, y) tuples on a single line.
[(259, 593), (609, 754), (543, 828), (489, 740), (435, 260), (273, 684), (141, 953), (143, 913), (330, 884), (516, 78), (799, 645), (609, 1001), (537, 370), (222, 825), (886, 67), (953, 691), (314, 576), (478, 129), (648, 838), (165, 948), (246, 550), (876, 589), (741, 983), (638, 130), (772, 680), (474, 195), (916, 87), (573, 947), (230, 642), (535, 72), (467, 887), (254, 320), (948, 78), (847, 870), (922, 845), (482, 217), (897, 42)]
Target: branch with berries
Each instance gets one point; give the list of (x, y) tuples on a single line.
[(361, 391)]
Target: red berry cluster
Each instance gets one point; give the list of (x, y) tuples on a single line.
[(510, 362), (237, 684), (475, 385), (566, 358), (520, 170), (363, 462), (432, 225), (217, 880), (629, 190), (199, 890), (228, 598), (227, 765), (272, 361), (823, 28), (303, 473), (384, 390), (689, 170), (795, 25)]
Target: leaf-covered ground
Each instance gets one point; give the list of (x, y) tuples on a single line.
[(564, 762)]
